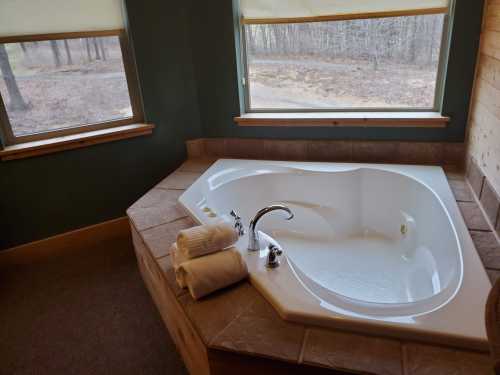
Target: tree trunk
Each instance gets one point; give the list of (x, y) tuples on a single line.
[(17, 102), (96, 47), (68, 52), (89, 52), (103, 49), (55, 53)]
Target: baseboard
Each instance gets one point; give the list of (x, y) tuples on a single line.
[(66, 242)]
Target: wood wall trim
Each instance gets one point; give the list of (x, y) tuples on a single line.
[(64, 243), (73, 141), (345, 119), (58, 36), (344, 17)]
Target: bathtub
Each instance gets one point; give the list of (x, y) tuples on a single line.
[(377, 249)]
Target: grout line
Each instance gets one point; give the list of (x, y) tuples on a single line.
[(303, 347), (479, 204), (404, 359), (159, 225)]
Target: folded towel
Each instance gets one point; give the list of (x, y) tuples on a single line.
[(177, 259), (212, 272), (205, 239)]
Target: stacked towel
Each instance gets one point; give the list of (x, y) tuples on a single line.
[(205, 239), (203, 261), (205, 275)]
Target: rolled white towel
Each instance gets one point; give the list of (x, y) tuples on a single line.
[(207, 274), (205, 239), (177, 259)]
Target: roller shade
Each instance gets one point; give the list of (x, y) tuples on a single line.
[(25, 17), (289, 11)]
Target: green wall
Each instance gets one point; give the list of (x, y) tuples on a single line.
[(51, 194), (216, 75)]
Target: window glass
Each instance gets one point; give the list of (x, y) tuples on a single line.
[(51, 85), (387, 63)]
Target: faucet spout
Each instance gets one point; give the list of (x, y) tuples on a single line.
[(253, 236)]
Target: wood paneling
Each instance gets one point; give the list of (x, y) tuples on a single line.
[(484, 120)]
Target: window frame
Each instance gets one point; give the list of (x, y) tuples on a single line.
[(7, 133), (243, 80)]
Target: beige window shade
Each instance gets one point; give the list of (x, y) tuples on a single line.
[(290, 11), (26, 17)]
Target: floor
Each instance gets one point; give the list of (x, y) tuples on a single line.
[(83, 313)]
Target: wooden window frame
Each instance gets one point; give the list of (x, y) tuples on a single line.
[(132, 83), (331, 113)]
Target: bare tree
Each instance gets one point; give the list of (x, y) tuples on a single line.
[(103, 49), (55, 53), (68, 52), (96, 48), (17, 102), (89, 52)]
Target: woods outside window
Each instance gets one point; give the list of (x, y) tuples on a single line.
[(320, 55), (56, 79)]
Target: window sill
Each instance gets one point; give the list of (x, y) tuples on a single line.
[(345, 119), (69, 142)]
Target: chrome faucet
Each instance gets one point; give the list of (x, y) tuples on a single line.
[(272, 256), (238, 225), (253, 235)]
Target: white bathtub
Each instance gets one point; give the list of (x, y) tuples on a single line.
[(373, 248)]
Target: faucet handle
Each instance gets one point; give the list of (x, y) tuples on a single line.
[(238, 225), (272, 256)]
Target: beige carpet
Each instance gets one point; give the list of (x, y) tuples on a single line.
[(84, 313)]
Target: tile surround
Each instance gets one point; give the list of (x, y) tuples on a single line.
[(240, 319), (473, 216), (490, 202), (354, 352), (324, 150), (260, 331), (432, 360)]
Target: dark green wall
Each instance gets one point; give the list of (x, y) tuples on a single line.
[(47, 195), (216, 75)]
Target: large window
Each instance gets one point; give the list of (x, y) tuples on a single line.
[(66, 85), (386, 61), (67, 76)]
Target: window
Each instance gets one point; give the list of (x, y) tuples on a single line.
[(334, 58), (65, 68), (66, 85)]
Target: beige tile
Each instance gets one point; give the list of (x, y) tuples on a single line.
[(454, 172), (375, 152), (213, 313), (488, 248), (352, 352), (260, 331), (285, 150), (156, 207), (196, 165), (421, 152), (242, 148), (490, 202), (474, 218), (195, 148), (329, 151), (168, 272), (494, 275), (475, 177), (160, 238), (454, 153), (178, 180), (215, 147), (430, 360), (461, 190)]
